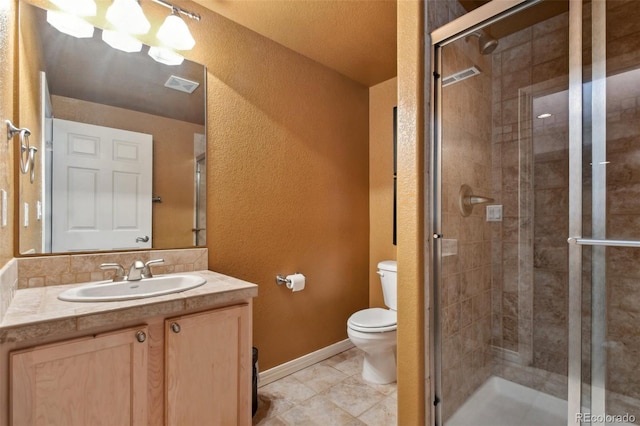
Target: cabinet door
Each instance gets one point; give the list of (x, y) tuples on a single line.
[(208, 368), (98, 380)]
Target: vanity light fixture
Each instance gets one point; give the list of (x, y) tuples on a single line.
[(121, 41), (174, 35), (165, 56), (174, 32), (128, 17), (77, 7), (70, 24)]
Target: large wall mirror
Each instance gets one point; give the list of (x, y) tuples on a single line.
[(120, 139)]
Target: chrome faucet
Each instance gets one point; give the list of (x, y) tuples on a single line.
[(119, 276), (137, 271), (146, 271)]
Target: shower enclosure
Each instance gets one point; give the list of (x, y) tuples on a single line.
[(536, 214)]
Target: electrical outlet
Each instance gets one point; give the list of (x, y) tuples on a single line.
[(3, 207), (26, 215)]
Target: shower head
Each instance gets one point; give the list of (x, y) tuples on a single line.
[(486, 44)]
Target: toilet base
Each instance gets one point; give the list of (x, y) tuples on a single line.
[(380, 367)]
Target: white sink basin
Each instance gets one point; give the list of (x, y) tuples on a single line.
[(108, 291)]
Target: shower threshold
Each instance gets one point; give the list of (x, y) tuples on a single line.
[(499, 402)]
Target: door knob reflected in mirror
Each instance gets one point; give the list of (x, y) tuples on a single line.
[(466, 200)]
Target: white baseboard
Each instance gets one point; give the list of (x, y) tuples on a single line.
[(290, 367)]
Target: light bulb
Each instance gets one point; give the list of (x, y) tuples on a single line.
[(128, 17), (77, 7), (70, 24), (174, 33), (121, 41), (165, 56)]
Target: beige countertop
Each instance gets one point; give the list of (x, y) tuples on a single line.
[(37, 312)]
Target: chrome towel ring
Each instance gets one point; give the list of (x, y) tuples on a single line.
[(27, 152)]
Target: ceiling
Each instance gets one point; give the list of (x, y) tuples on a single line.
[(355, 38)]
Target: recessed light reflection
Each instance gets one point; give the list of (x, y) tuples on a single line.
[(545, 115)]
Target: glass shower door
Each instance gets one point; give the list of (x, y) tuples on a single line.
[(502, 221), (608, 246), (536, 213)]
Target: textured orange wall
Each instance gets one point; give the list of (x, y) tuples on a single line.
[(287, 187), (413, 385), (382, 98), (7, 57), (173, 171), (288, 171), (30, 60)]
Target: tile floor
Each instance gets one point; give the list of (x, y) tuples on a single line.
[(330, 392)]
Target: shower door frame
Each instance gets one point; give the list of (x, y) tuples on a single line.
[(458, 29)]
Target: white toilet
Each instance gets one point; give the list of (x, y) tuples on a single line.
[(374, 330)]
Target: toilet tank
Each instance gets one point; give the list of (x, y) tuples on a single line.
[(388, 271)]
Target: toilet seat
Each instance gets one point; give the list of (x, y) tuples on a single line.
[(373, 320)]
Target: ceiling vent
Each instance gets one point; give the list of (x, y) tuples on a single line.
[(181, 84), (459, 76)]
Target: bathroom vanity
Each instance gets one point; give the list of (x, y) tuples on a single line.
[(181, 358)]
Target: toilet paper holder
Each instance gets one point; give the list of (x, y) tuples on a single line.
[(281, 279)]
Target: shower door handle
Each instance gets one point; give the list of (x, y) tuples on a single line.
[(608, 243)]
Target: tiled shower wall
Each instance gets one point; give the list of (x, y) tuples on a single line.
[(623, 274), (529, 259), (466, 263), (528, 176), (532, 64), (623, 207)]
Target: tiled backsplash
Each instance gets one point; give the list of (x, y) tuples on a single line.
[(78, 268)]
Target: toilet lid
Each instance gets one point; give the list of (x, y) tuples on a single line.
[(373, 320)]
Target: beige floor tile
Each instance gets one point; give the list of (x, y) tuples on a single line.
[(329, 393), (270, 421), (282, 395), (353, 396), (382, 414), (387, 389), (349, 362), (320, 411), (320, 377), (269, 406)]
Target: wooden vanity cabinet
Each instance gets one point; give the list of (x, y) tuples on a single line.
[(193, 369), (95, 380), (208, 368)]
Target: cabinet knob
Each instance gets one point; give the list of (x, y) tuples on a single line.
[(175, 327), (141, 336)]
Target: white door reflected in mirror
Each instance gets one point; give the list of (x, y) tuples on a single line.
[(101, 188)]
